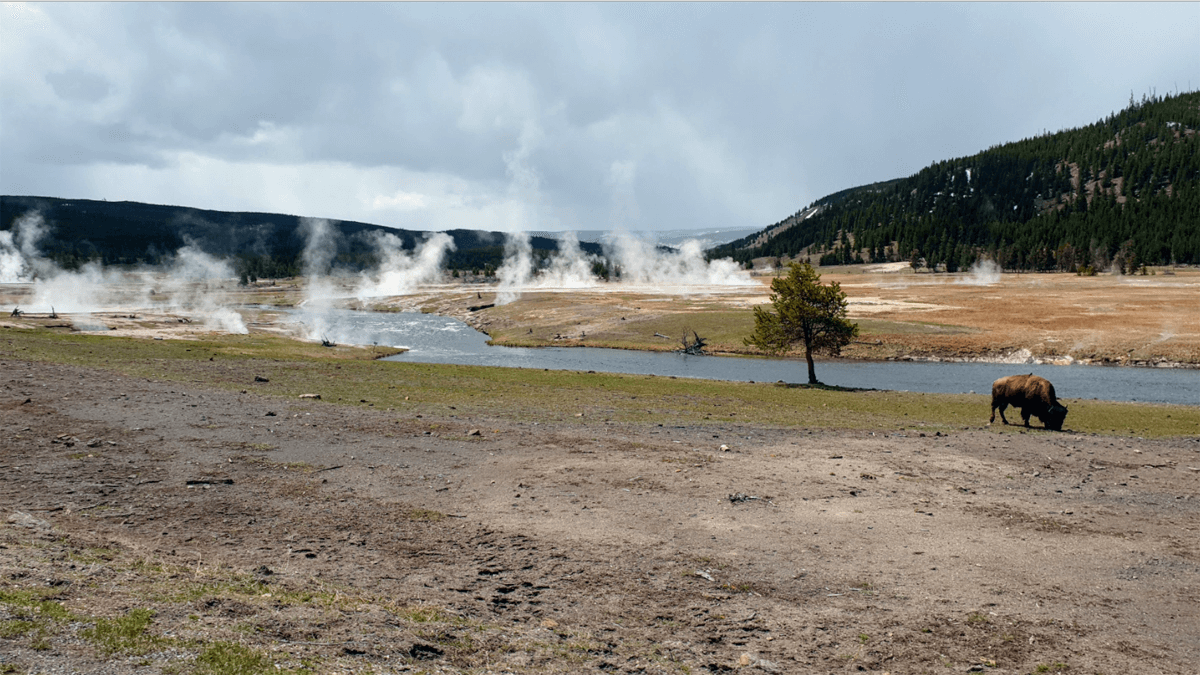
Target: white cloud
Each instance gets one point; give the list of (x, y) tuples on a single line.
[(505, 116)]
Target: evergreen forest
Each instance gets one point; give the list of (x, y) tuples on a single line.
[(1121, 193), (260, 245)]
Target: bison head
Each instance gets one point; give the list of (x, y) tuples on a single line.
[(1053, 419)]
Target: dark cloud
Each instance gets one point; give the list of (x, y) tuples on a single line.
[(549, 116)]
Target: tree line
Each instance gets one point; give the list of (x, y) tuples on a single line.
[(1122, 191), (258, 245)]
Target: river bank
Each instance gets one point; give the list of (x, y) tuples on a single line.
[(1151, 321)]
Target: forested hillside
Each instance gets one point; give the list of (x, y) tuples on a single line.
[(1124, 191), (263, 245)]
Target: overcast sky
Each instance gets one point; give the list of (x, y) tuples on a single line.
[(550, 116)]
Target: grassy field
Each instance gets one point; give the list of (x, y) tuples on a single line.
[(532, 323), (353, 376), (1105, 319)]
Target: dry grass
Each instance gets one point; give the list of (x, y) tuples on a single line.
[(1056, 317)]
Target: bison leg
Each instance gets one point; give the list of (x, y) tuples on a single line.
[(1001, 407), (1025, 417)]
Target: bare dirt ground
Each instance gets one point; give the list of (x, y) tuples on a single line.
[(341, 539), (1107, 319)]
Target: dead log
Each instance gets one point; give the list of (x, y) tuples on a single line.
[(695, 348)]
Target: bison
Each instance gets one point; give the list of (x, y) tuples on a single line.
[(1033, 395)]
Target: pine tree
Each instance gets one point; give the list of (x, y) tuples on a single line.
[(807, 312)]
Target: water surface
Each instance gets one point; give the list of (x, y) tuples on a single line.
[(437, 339)]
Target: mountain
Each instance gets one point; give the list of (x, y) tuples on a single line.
[(263, 244), (1124, 191)]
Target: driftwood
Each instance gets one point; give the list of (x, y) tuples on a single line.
[(53, 314), (16, 311), (326, 343), (694, 348), (476, 308)]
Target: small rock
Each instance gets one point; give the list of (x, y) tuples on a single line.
[(313, 396), (269, 414), (745, 660), (768, 666), (474, 432), (22, 519), (724, 448), (549, 623), (260, 378)]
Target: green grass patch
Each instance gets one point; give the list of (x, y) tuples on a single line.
[(16, 628), (35, 616), (124, 635), (350, 376), (33, 602), (231, 658)]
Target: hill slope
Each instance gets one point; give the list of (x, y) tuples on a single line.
[(264, 244), (1124, 190)]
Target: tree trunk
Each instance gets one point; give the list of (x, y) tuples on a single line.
[(812, 371)]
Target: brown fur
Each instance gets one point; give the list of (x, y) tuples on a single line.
[(1033, 395)]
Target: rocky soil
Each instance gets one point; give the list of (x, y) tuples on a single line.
[(334, 538)]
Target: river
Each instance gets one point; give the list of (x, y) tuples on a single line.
[(430, 338)]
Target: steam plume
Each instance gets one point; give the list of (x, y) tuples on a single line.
[(198, 283), (20, 260), (983, 273), (320, 248), (517, 270), (641, 262), (12, 265), (570, 267), (399, 273)]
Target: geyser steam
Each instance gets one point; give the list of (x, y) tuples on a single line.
[(516, 272), (197, 283), (20, 260), (641, 262), (569, 267), (637, 261), (984, 272), (400, 273)]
